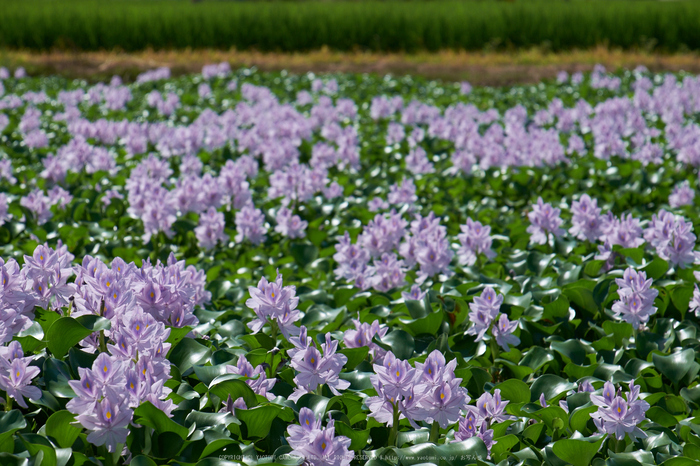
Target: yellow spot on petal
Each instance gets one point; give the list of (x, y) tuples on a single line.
[(41, 258), (104, 369), (109, 415), (398, 373), (442, 396), (323, 445), (109, 284), (17, 375), (138, 327), (307, 422), (132, 385)]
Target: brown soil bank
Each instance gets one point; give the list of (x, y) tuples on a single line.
[(492, 68)]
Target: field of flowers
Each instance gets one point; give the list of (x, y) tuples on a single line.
[(253, 268)]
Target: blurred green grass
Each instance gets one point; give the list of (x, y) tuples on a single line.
[(382, 26)]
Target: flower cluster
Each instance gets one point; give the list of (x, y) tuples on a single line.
[(274, 302), (255, 378), (672, 237), (544, 220), (16, 374), (636, 302), (484, 312), (429, 392), (316, 369), (617, 415), (474, 240), (489, 409), (317, 445)]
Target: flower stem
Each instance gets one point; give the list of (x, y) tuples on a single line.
[(434, 433), (275, 328), (8, 403), (103, 344), (393, 435)]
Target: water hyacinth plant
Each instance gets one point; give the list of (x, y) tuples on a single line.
[(238, 267)]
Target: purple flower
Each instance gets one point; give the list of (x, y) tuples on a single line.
[(273, 300), (636, 302), (289, 225), (587, 221), (695, 302), (415, 294), (321, 447), (211, 229), (682, 195), (618, 416), (475, 239), (445, 403), (405, 193), (315, 369), (250, 224), (394, 376), (544, 220), (363, 335), (257, 379), (108, 422), (503, 333), (16, 378), (484, 310)]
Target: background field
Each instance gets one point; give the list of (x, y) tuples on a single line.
[(390, 26)]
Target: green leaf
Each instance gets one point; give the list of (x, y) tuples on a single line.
[(230, 384), (514, 390), (187, 353), (581, 297), (419, 309), (661, 417), (142, 461), (56, 377), (676, 365), (358, 438), (150, 416), (66, 332), (577, 452), (303, 253), (580, 417), (258, 420), (401, 343), (573, 350), (656, 268), (551, 385), (59, 427), (355, 356), (10, 422)]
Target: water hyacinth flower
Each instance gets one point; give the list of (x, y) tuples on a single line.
[(544, 220), (316, 369), (291, 226), (619, 416), (250, 224), (484, 310), (587, 221), (363, 335), (316, 445), (502, 331), (16, 374), (682, 195), (276, 302), (636, 302), (210, 230), (256, 378), (475, 239)]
